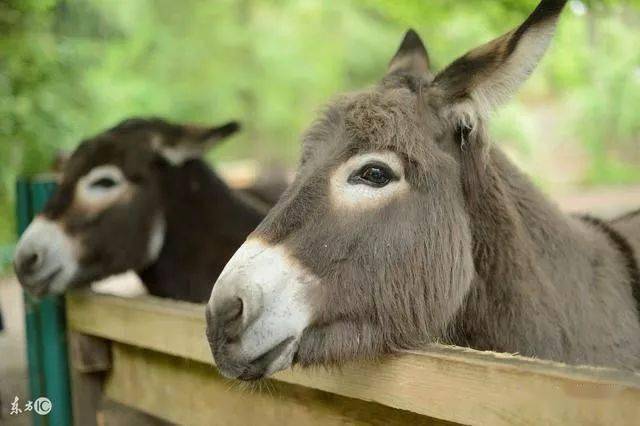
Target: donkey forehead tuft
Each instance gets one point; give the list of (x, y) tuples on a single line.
[(382, 118), (391, 118)]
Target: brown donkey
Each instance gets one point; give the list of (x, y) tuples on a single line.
[(404, 226), (138, 197)]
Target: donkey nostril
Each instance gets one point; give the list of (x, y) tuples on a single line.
[(231, 318), (32, 260), (28, 264), (235, 310)]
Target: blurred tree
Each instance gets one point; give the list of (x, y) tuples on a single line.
[(40, 100), (70, 68)]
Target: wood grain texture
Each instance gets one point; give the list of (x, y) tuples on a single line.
[(90, 358), (188, 392), (454, 384), (89, 354)]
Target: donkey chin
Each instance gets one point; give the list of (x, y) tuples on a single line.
[(45, 260), (258, 312), (234, 364)]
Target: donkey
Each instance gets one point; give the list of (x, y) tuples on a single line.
[(404, 226), (138, 197)]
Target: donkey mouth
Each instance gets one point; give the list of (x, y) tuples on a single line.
[(275, 359), (40, 287)]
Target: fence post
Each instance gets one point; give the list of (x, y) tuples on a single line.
[(45, 324), (32, 330)]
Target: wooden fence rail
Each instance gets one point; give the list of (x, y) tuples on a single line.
[(162, 365)]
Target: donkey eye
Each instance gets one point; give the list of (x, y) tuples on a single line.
[(376, 175), (104, 183)]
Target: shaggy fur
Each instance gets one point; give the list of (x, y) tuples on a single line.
[(474, 254)]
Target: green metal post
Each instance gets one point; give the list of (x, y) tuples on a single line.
[(46, 326), (31, 308), (52, 322)]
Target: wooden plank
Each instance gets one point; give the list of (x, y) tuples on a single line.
[(89, 354), (86, 397), (187, 392), (90, 358), (455, 384), (174, 328), (113, 413)]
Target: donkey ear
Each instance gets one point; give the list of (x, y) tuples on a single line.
[(194, 141), (208, 137), (491, 73), (411, 57)]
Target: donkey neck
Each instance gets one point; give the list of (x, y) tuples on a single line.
[(205, 223), (538, 271)]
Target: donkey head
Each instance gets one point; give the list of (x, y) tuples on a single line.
[(369, 251), (106, 215)]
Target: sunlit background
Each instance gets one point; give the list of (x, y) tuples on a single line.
[(70, 69)]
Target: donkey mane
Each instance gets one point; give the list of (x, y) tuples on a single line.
[(521, 297), (205, 223), (625, 248)]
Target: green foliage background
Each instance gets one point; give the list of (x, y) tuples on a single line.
[(69, 69)]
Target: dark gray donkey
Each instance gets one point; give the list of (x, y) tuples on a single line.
[(405, 226), (138, 197)]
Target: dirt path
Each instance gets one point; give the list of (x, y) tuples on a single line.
[(13, 366)]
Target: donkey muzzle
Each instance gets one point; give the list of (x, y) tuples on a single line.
[(257, 312), (45, 258)]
